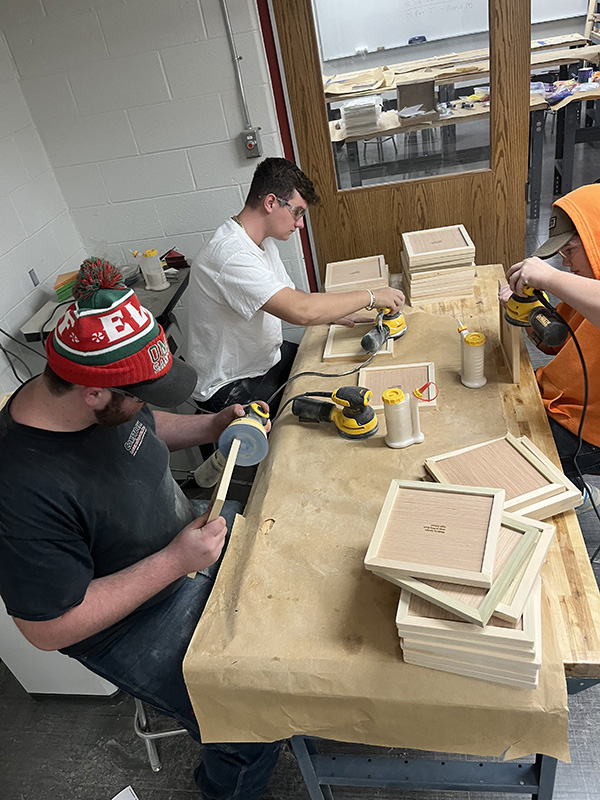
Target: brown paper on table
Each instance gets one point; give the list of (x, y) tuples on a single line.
[(298, 637)]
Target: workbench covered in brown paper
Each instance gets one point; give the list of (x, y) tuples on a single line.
[(299, 638)]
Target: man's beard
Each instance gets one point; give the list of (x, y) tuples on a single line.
[(113, 414)]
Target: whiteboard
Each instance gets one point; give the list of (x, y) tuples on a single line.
[(347, 25)]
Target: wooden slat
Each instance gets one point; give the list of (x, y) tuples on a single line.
[(223, 488)]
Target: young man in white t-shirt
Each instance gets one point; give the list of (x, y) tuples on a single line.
[(240, 291)]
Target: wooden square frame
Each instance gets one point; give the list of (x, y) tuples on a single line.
[(340, 335), (527, 637), (358, 273), (457, 249), (419, 566), (448, 596), (513, 603), (553, 494), (397, 371)]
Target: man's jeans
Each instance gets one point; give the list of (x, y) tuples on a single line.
[(146, 662), (245, 390)]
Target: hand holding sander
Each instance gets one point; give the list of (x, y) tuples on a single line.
[(354, 420), (250, 430), (534, 310), (389, 325)]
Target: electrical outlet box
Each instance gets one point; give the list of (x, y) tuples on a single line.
[(251, 142)]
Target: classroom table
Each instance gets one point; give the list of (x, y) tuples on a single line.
[(160, 304), (298, 640), (464, 67)]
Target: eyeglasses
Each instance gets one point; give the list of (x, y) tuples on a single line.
[(123, 393), (297, 212), (567, 251)]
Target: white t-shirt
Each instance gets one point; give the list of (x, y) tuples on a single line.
[(229, 337)]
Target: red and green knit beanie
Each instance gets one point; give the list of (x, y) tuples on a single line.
[(106, 338)]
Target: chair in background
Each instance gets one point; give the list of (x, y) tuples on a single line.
[(379, 141)]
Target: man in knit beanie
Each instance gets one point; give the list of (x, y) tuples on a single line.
[(574, 234), (96, 538)]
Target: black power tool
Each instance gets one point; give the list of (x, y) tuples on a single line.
[(534, 310)]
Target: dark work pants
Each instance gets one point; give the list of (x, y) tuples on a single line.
[(245, 390), (566, 444)]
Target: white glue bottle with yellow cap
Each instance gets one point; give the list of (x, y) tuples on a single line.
[(472, 353), (152, 270), (402, 417)]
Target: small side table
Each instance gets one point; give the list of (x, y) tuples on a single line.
[(160, 304)]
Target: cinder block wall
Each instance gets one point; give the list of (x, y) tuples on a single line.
[(126, 119)]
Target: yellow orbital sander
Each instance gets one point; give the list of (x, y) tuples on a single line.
[(533, 310), (355, 419), (389, 325)]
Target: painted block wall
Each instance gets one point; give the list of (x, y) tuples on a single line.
[(36, 227), (137, 108)]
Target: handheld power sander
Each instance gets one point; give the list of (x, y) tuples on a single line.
[(354, 420), (250, 430), (389, 325), (534, 310)]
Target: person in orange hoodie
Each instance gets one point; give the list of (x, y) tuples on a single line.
[(575, 235)]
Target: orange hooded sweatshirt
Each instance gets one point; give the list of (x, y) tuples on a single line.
[(561, 381)]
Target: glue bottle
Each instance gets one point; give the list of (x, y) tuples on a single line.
[(401, 418), (472, 353), (152, 270)]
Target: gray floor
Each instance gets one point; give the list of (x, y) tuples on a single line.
[(59, 748)]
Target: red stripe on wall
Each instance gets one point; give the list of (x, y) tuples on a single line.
[(282, 118)]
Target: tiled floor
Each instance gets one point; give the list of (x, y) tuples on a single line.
[(61, 748)]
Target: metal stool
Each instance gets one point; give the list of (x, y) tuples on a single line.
[(141, 728)]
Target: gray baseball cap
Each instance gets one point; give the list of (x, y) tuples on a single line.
[(560, 229)]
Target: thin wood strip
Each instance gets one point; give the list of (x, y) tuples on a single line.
[(223, 487), (511, 337)]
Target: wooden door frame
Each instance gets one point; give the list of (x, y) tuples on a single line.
[(352, 223)]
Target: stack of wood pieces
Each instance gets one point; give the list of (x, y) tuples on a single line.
[(63, 286), (361, 114), (501, 652), (469, 574), (437, 264), (370, 272)]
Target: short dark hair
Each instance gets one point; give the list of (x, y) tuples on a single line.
[(55, 383), (281, 178)]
